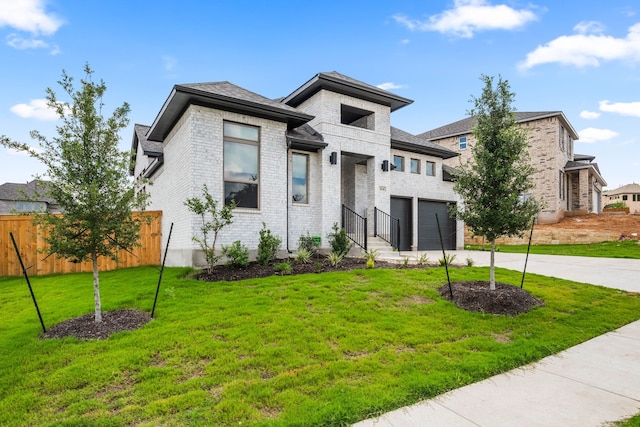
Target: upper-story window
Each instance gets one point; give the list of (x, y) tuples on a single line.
[(241, 164), (357, 117), (300, 178), (398, 163), (415, 166), (462, 143), (562, 136), (430, 168)]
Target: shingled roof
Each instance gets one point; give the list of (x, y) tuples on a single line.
[(625, 189), (223, 96), (339, 83), (465, 126), (405, 141), (33, 190)]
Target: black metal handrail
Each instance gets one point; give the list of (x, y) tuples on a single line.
[(355, 226), (387, 228)]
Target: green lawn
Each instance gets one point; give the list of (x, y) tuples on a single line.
[(327, 349), (623, 249)]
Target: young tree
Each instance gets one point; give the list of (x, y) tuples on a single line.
[(88, 178), (495, 182)]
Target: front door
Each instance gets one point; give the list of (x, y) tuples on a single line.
[(401, 209)]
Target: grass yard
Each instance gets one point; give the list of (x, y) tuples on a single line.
[(621, 249), (328, 349)]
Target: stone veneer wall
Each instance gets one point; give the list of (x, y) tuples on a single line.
[(549, 237)]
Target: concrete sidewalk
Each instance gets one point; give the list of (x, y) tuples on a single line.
[(590, 384)]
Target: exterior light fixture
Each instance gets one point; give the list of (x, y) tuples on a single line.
[(333, 158)]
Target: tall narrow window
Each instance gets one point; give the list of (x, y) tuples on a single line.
[(300, 178), (430, 168), (415, 166), (241, 164), (398, 162), (462, 143)]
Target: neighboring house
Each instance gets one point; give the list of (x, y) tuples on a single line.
[(567, 183), (299, 164), (29, 197), (629, 194)]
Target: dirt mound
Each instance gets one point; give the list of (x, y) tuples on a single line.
[(85, 328), (476, 296), (620, 224)]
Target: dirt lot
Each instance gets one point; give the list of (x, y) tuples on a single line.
[(620, 224)]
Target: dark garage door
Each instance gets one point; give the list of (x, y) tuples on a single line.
[(428, 237), (401, 209)]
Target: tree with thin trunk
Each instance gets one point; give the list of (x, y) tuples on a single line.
[(87, 177), (495, 183)]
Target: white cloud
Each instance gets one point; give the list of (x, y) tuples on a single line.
[(19, 43), (469, 16), (594, 135), (389, 86), (169, 62), (589, 114), (29, 16), (405, 41), (623, 108), (586, 48), (35, 109)]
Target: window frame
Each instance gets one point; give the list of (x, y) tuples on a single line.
[(306, 184), (433, 168), (413, 162), (401, 168), (462, 143), (237, 140)]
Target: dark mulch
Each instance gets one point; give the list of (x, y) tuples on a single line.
[(476, 296), (316, 265), (85, 327)]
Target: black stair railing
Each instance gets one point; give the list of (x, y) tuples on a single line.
[(387, 228), (355, 226)]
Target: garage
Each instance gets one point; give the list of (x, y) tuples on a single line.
[(428, 237), (401, 209)]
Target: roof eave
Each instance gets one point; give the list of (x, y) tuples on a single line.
[(420, 149)]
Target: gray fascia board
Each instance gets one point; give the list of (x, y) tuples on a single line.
[(324, 81), (181, 97), (594, 170), (415, 148)]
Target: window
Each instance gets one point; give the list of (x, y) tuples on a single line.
[(561, 181), (431, 169), (636, 197), (415, 166), (398, 163), (357, 117), (241, 164), (300, 178), (463, 142), (624, 197)]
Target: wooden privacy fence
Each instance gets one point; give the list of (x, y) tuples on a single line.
[(30, 244)]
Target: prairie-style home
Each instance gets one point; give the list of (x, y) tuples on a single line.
[(567, 183), (324, 154)]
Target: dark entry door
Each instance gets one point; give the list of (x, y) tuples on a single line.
[(428, 237), (401, 209)]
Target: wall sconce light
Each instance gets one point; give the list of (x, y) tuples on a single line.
[(333, 158), (385, 166)]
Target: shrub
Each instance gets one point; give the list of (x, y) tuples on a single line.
[(340, 243), (303, 256), (371, 255), (470, 262), (283, 267), (306, 242), (422, 259), (237, 253), (449, 259), (335, 258), (268, 246), (405, 261), (318, 267)]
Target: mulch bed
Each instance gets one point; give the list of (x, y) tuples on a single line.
[(476, 296), (85, 327)]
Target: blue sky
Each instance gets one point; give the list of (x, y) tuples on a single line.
[(581, 57)]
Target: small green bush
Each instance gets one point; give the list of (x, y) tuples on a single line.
[(303, 256), (470, 262), (268, 246), (371, 255), (449, 258), (422, 259), (306, 242), (285, 268), (340, 243), (335, 258), (237, 254)]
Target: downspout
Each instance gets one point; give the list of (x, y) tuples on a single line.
[(287, 204)]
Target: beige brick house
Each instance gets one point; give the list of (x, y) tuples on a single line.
[(629, 194), (566, 182)]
